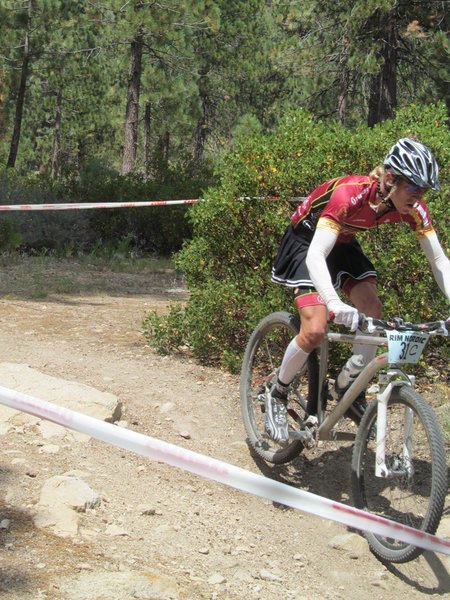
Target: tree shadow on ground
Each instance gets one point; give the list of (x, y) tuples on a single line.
[(16, 528)]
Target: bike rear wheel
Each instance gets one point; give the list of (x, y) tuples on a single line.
[(414, 491), (260, 366)]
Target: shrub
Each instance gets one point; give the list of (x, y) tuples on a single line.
[(227, 263), (39, 230), (166, 332), (9, 239), (156, 229)]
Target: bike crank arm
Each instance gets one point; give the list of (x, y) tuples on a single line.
[(306, 436)]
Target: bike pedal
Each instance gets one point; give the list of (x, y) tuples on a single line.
[(311, 422)]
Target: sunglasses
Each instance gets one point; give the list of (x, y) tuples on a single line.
[(413, 188)]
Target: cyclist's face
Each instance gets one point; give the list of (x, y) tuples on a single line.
[(405, 195)]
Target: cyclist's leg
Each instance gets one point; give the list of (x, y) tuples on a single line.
[(363, 294), (313, 321)]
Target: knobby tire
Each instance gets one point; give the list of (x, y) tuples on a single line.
[(260, 366), (414, 494)]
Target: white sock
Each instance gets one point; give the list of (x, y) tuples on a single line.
[(293, 360)]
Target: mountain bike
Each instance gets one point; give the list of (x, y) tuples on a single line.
[(398, 463)]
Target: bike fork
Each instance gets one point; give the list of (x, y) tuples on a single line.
[(401, 464)]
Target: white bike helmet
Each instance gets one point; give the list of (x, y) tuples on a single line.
[(415, 162)]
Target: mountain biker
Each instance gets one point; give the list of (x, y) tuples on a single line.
[(319, 253)]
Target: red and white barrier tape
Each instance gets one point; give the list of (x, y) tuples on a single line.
[(222, 472), (85, 205)]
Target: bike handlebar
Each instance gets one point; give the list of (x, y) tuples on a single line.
[(370, 324)]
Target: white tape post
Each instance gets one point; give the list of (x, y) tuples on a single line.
[(222, 472)]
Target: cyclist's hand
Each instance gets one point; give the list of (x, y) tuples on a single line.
[(344, 314)]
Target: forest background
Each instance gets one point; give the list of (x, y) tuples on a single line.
[(142, 100)]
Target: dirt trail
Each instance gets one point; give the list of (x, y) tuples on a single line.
[(213, 541)]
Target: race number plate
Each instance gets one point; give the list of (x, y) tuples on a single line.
[(406, 346)]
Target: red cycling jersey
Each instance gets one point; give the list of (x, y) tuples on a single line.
[(346, 205)]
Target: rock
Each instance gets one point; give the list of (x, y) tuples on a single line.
[(119, 585), (268, 576), (62, 521), (350, 542), (216, 579), (68, 394), (68, 491), (242, 575), (62, 500), (115, 530)]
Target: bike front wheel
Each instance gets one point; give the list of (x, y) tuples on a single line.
[(413, 492), (261, 363)]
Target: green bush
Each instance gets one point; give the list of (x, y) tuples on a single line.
[(157, 229), (227, 263), (9, 239), (168, 332), (39, 230)]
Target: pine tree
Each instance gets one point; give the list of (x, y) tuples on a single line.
[(360, 58)]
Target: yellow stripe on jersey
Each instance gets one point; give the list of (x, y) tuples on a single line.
[(421, 230), (322, 201), (329, 224), (422, 233)]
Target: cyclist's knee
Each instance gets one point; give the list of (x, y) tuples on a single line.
[(311, 336), (372, 307), (313, 327), (365, 297)]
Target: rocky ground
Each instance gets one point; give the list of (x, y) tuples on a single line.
[(149, 530)]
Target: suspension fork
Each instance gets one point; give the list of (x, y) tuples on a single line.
[(404, 466)]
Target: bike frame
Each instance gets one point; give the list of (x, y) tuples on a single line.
[(392, 378), (326, 429)]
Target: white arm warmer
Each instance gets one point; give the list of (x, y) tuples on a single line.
[(321, 246), (440, 264)]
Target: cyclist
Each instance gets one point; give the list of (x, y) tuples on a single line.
[(319, 253)]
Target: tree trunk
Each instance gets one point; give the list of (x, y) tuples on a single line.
[(56, 143), (201, 130), (14, 147), (383, 89), (343, 97), (344, 81), (132, 110), (147, 118), (200, 138), (163, 146)]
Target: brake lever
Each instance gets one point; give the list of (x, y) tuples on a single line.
[(366, 324)]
